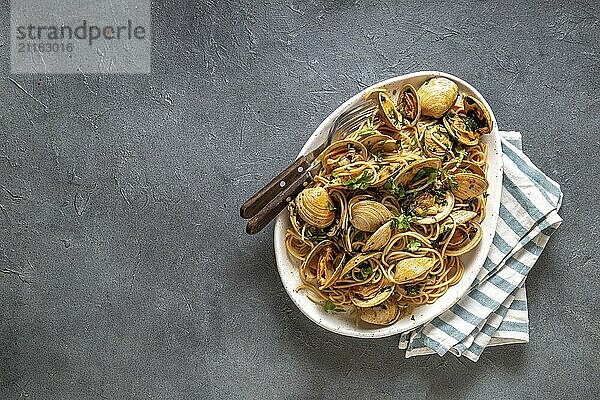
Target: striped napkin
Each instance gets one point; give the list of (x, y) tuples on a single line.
[(494, 311)]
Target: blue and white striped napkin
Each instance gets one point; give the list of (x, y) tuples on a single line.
[(494, 312)]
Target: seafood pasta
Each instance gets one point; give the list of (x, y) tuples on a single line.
[(395, 204)]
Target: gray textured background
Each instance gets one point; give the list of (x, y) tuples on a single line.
[(120, 195)]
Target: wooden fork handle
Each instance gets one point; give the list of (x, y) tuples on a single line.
[(278, 203), (280, 183)]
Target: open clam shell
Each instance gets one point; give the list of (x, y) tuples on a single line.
[(388, 112), (436, 142), (382, 314), (466, 125), (469, 185), (379, 238), (342, 153), (356, 261), (462, 243), (318, 257), (379, 298), (369, 215), (459, 217), (406, 175), (379, 143), (408, 105), (476, 110), (447, 207)]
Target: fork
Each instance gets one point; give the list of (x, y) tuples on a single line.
[(263, 206)]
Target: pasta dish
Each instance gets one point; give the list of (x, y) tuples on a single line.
[(396, 202)]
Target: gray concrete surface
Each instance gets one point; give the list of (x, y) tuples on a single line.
[(119, 203)]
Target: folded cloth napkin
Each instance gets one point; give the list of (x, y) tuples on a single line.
[(494, 311)]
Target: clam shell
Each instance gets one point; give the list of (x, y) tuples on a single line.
[(455, 121), (477, 110), (356, 261), (474, 241), (455, 124), (368, 215), (379, 238), (436, 142), (442, 214), (338, 150), (379, 298), (384, 174), (408, 105), (469, 185), (387, 111), (337, 266), (436, 96), (378, 142), (408, 269), (382, 314), (459, 217), (312, 259), (406, 175), (313, 207)]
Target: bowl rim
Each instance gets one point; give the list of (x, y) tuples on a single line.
[(445, 302)]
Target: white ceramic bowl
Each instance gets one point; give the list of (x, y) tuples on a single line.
[(473, 261)]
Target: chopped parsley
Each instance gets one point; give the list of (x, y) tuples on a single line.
[(452, 183), (366, 130), (393, 189), (413, 245), (330, 206), (471, 124), (413, 142), (413, 290), (377, 156), (315, 237), (361, 182), (330, 307), (402, 222), (365, 271), (462, 153), (430, 173)]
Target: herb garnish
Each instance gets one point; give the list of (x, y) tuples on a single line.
[(330, 206), (365, 271), (451, 180), (402, 222), (413, 142), (413, 245), (330, 307), (462, 153), (471, 124), (430, 173), (361, 182), (393, 189), (413, 290)]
